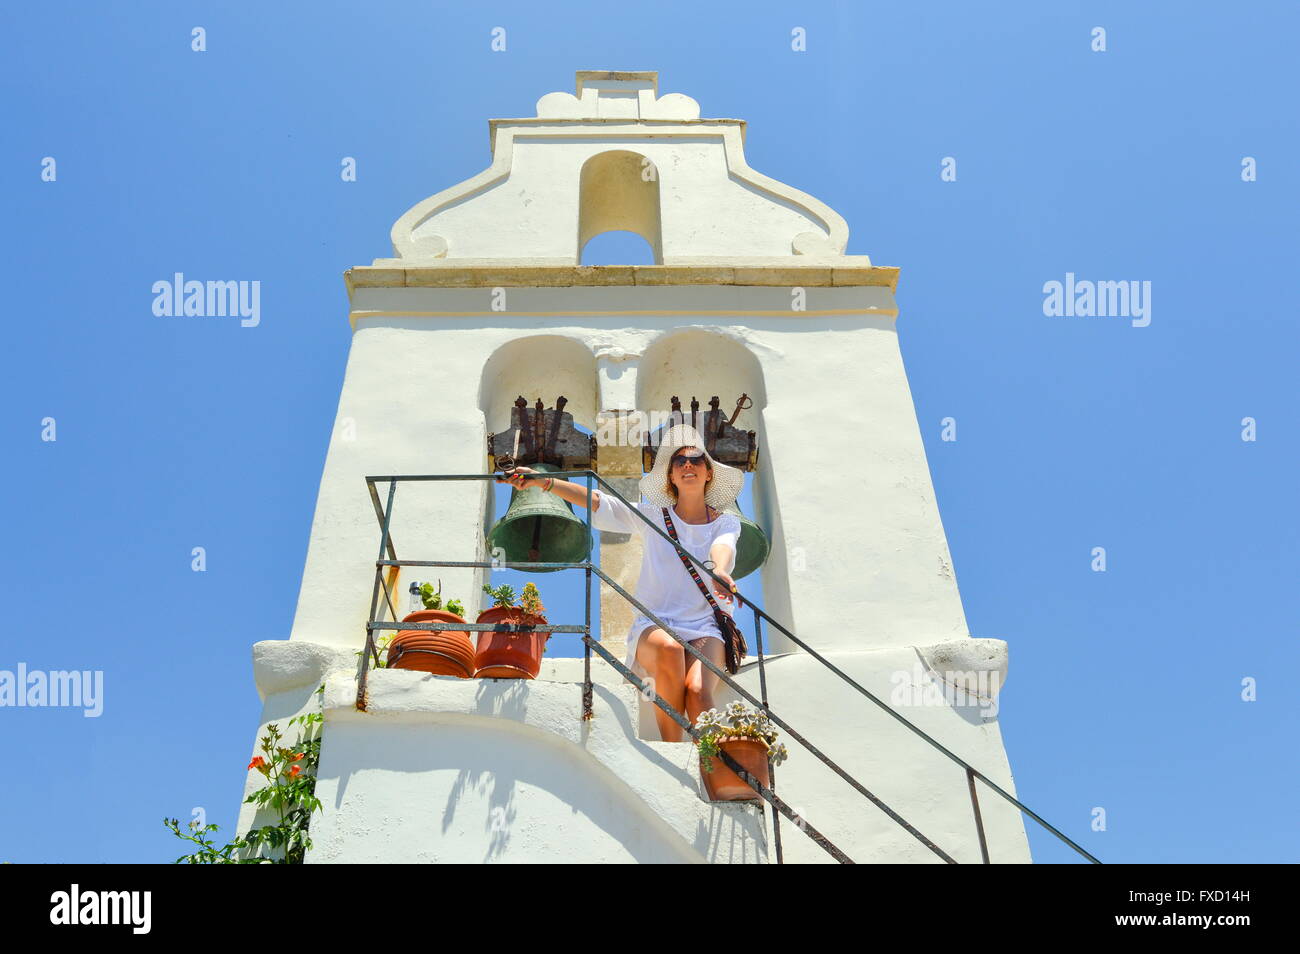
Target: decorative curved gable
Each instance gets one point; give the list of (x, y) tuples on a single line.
[(617, 155)]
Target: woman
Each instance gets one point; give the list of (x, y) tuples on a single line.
[(695, 488)]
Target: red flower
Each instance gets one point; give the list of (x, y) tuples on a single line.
[(294, 771), (296, 756), (257, 762)]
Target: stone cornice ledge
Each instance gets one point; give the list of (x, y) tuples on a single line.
[(812, 275)]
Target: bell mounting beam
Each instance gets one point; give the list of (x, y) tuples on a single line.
[(723, 441), (541, 435)]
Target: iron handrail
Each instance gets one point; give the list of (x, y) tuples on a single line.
[(860, 688), (384, 515)]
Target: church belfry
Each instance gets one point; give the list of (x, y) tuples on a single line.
[(751, 298)]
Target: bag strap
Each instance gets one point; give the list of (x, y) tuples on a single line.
[(732, 638), (690, 567)]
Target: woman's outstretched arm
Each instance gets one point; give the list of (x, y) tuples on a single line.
[(723, 554), (567, 489), (615, 515)]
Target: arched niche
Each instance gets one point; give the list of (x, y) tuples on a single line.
[(703, 363), (542, 366), (692, 361), (539, 366), (618, 190)]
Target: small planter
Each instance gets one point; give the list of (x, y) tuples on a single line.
[(510, 655), (444, 653), (746, 735), (724, 785)]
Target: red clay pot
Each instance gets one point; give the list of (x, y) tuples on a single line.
[(509, 655), (724, 785), (445, 653)]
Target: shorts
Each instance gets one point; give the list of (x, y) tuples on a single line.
[(692, 630)]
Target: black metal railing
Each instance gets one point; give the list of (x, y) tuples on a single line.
[(387, 548)]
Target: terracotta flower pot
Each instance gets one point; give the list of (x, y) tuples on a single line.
[(445, 653), (724, 785), (510, 655)]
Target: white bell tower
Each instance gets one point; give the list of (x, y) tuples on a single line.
[(751, 292)]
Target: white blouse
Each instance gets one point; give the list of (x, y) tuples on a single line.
[(665, 586)]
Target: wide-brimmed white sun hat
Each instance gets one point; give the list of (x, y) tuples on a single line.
[(727, 482)]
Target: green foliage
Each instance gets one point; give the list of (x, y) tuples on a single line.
[(503, 595), (737, 721), (381, 648), (208, 853), (290, 794), (530, 601), (432, 599)]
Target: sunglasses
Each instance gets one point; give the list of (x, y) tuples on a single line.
[(696, 459)]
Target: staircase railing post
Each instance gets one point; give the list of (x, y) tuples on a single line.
[(374, 596), (762, 694), (586, 644), (979, 822)]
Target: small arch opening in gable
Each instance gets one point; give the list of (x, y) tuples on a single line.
[(618, 191), (618, 248)]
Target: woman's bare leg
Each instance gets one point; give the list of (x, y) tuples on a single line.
[(663, 657), (700, 682)]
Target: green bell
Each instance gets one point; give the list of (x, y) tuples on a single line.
[(753, 547), (539, 527)]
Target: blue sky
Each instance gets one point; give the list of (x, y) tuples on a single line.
[(1125, 686)]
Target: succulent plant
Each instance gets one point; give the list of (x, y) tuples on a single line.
[(531, 601), (503, 595), (736, 721)]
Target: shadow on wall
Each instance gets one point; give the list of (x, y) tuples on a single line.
[(422, 792)]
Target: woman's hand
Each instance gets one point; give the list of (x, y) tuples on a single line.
[(725, 591), (519, 477)]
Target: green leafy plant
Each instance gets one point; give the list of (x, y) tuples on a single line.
[(208, 853), (381, 648), (432, 599), (503, 595), (736, 721), (290, 793)]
